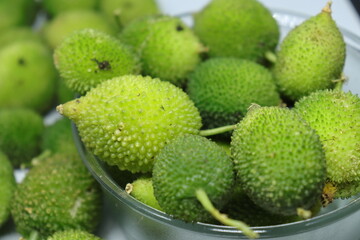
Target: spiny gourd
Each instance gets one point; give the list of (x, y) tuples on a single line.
[(123, 12), (21, 132), (63, 25), (16, 13), (89, 57), (56, 7), (73, 234), (223, 89), (335, 114), (237, 28), (186, 164), (142, 189), (167, 48), (311, 57), (27, 75), (7, 187), (126, 120), (279, 160), (192, 179), (58, 194)]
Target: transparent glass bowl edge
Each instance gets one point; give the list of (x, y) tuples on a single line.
[(111, 187)]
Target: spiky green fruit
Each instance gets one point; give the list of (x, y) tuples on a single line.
[(335, 114), (142, 189), (168, 49), (310, 57), (56, 7), (186, 164), (89, 57), (127, 120), (73, 234), (223, 24), (64, 24), (21, 131), (7, 187), (346, 189), (36, 204), (223, 89), (122, 12), (27, 76), (58, 138), (16, 13), (279, 160)]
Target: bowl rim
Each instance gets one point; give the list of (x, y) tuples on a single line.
[(95, 167)]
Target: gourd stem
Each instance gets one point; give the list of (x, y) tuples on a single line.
[(271, 57), (34, 235), (219, 130), (223, 218), (339, 83)]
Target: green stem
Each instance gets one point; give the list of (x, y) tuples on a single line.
[(219, 130), (38, 159), (205, 201), (118, 22), (340, 82), (34, 235), (271, 56)]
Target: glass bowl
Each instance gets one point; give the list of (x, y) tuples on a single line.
[(340, 220)]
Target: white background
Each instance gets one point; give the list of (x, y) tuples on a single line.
[(343, 14)]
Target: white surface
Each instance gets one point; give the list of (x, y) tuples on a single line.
[(343, 14)]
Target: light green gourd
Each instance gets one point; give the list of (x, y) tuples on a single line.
[(279, 160), (89, 57), (237, 28), (168, 49), (335, 114), (311, 57), (126, 120)]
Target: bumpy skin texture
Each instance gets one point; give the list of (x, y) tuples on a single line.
[(186, 164), (7, 187), (64, 24), (123, 12), (27, 75), (223, 89), (59, 194), (58, 138), (73, 235), (142, 189), (311, 56), (126, 120), (89, 57), (20, 134), (168, 49), (16, 13), (347, 189), (237, 28), (335, 116), (55, 7), (279, 160)]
